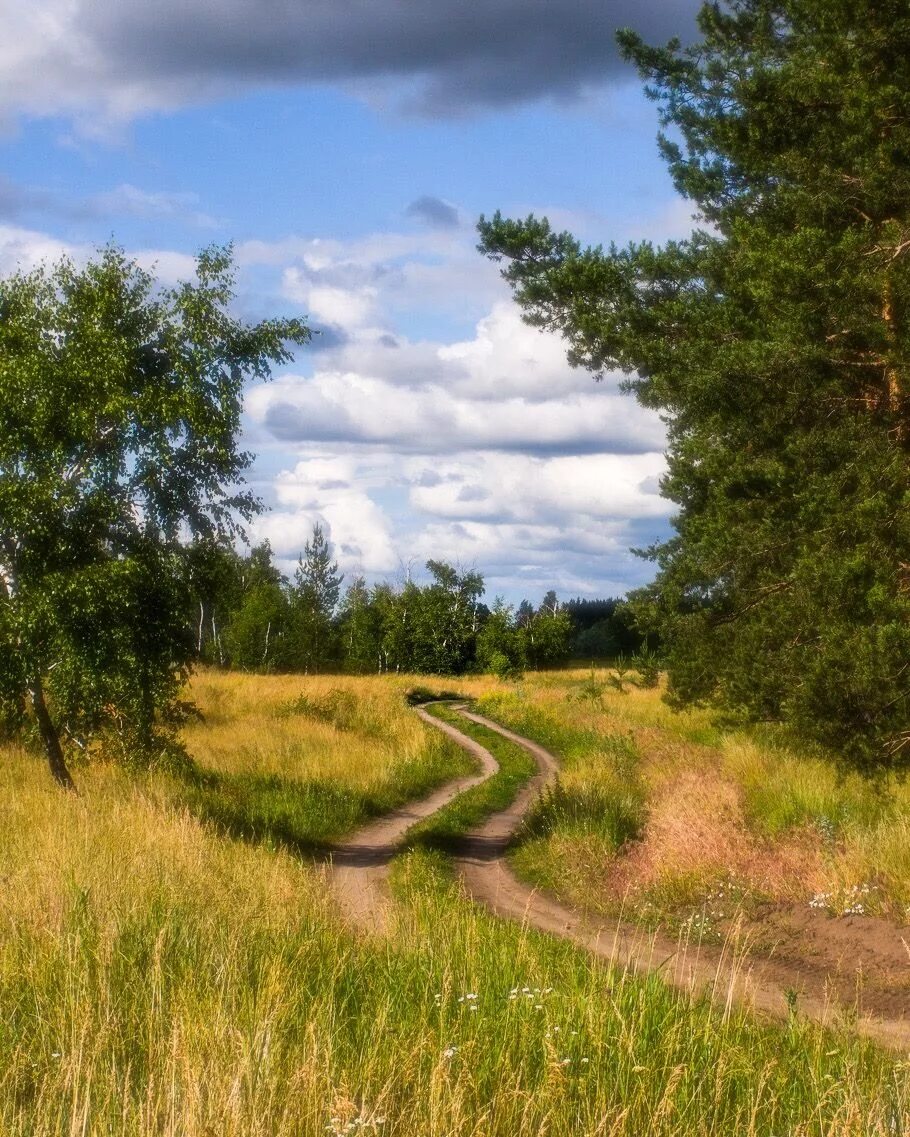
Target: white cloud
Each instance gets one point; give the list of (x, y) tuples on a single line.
[(483, 448), (347, 407), (507, 357), (26, 249), (331, 490), (520, 488)]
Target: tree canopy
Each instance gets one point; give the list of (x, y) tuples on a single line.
[(120, 407), (774, 341)]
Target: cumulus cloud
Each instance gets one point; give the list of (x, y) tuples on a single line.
[(347, 407), (332, 490), (483, 447), (123, 57), (520, 488), (25, 249), (486, 449)]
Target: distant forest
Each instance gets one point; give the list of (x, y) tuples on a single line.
[(245, 614)]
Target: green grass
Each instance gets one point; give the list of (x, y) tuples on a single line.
[(306, 815), (160, 979), (190, 1020), (610, 1052)]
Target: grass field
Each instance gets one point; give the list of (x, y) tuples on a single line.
[(660, 812), (171, 962)]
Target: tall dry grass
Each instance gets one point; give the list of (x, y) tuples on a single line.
[(160, 978), (713, 807)]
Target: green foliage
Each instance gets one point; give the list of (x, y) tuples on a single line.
[(614, 812), (501, 643), (603, 629), (774, 341), (619, 676), (120, 407), (516, 767), (311, 639), (547, 632), (647, 665), (590, 690), (419, 695)]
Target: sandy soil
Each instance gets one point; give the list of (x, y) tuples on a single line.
[(856, 968)]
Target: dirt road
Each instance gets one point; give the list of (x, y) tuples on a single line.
[(360, 865), (729, 974)]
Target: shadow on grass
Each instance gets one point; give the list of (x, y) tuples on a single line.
[(302, 817), (305, 817)]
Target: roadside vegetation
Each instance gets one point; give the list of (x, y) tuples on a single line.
[(300, 762), (516, 767), (683, 817), (158, 976)]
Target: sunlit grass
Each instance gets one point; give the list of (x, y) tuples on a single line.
[(300, 760), (158, 977), (714, 805)]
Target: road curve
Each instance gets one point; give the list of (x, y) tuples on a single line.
[(728, 975), (359, 866)]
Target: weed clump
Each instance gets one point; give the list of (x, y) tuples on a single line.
[(417, 696), (338, 707)]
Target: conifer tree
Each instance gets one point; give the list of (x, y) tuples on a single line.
[(775, 342), (317, 585)]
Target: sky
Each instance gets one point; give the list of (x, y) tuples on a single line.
[(347, 148)]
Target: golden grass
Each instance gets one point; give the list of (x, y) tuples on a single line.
[(721, 805), (243, 732), (158, 979)]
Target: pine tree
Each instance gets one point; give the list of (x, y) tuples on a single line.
[(775, 342), (314, 598)]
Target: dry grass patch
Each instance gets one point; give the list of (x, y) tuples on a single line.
[(250, 725), (722, 809)]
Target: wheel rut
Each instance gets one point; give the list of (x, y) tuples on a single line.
[(730, 975)]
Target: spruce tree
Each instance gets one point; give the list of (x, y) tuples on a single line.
[(314, 598)]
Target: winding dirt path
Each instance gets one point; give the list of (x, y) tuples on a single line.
[(729, 974), (360, 866)]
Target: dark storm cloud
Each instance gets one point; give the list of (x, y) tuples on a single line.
[(434, 211), (460, 56)]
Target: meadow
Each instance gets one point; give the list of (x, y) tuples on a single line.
[(172, 961)]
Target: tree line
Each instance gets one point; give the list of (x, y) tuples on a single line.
[(245, 614)]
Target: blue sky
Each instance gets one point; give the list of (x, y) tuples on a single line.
[(347, 150)]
